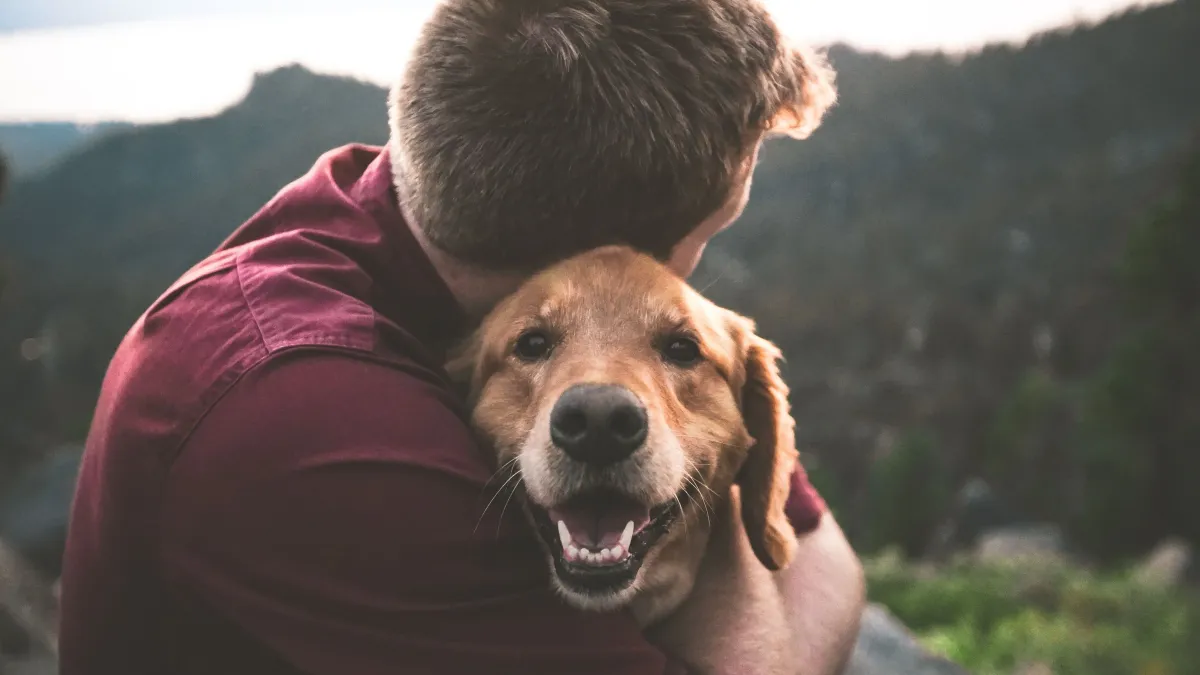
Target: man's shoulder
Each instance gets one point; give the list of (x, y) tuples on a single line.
[(324, 408), (234, 315), (323, 267), (225, 315)]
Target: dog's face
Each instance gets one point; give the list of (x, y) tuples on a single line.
[(628, 403)]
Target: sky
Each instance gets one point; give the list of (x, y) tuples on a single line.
[(157, 60)]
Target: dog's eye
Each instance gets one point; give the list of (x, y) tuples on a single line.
[(683, 351), (532, 346)]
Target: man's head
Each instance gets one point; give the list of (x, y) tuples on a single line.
[(526, 131)]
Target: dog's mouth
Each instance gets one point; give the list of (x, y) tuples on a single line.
[(599, 540)]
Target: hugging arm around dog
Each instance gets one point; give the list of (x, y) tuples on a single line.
[(432, 588), (281, 477)]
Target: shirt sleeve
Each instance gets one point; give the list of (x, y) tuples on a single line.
[(804, 505), (330, 508)]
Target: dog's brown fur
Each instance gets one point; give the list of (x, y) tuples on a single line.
[(722, 423)]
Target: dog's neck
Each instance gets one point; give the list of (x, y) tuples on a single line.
[(670, 577)]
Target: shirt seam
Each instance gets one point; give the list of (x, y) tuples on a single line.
[(262, 336)]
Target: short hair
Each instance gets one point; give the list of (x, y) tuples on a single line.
[(526, 131)]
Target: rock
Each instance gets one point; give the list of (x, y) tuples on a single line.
[(886, 647), (1167, 565), (1022, 544), (977, 509), (40, 665), (28, 618)]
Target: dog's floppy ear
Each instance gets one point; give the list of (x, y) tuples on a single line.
[(765, 476), (476, 358), (465, 366)]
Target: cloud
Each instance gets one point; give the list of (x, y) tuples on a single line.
[(156, 70)]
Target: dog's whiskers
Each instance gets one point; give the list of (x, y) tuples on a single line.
[(679, 503), (502, 470), (693, 480), (709, 285), (694, 470), (699, 440), (705, 507), (515, 474), (516, 486), (710, 490)]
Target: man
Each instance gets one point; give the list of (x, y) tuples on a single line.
[(278, 477)]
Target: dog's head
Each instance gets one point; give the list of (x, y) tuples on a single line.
[(628, 404)]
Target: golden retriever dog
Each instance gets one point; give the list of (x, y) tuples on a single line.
[(634, 413)]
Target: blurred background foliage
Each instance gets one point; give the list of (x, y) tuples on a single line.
[(995, 619)]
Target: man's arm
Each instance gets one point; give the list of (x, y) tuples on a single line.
[(329, 509), (800, 621), (825, 586)]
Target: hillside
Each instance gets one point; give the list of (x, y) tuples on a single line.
[(156, 199), (951, 228), (31, 148), (86, 245), (949, 219)]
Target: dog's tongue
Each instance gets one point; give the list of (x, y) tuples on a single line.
[(597, 521)]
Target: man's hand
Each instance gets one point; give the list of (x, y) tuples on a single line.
[(742, 618)]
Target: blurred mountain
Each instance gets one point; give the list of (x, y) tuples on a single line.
[(87, 244), (33, 147), (950, 230), (152, 201)]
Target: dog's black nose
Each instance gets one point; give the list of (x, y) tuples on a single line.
[(598, 423)]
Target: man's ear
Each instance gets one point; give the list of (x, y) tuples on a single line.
[(765, 476)]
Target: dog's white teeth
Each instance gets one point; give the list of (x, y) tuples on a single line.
[(616, 553), (626, 536), (605, 556), (564, 534)]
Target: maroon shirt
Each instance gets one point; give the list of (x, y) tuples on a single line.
[(279, 479)]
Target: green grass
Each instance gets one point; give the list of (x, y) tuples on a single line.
[(992, 620)]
